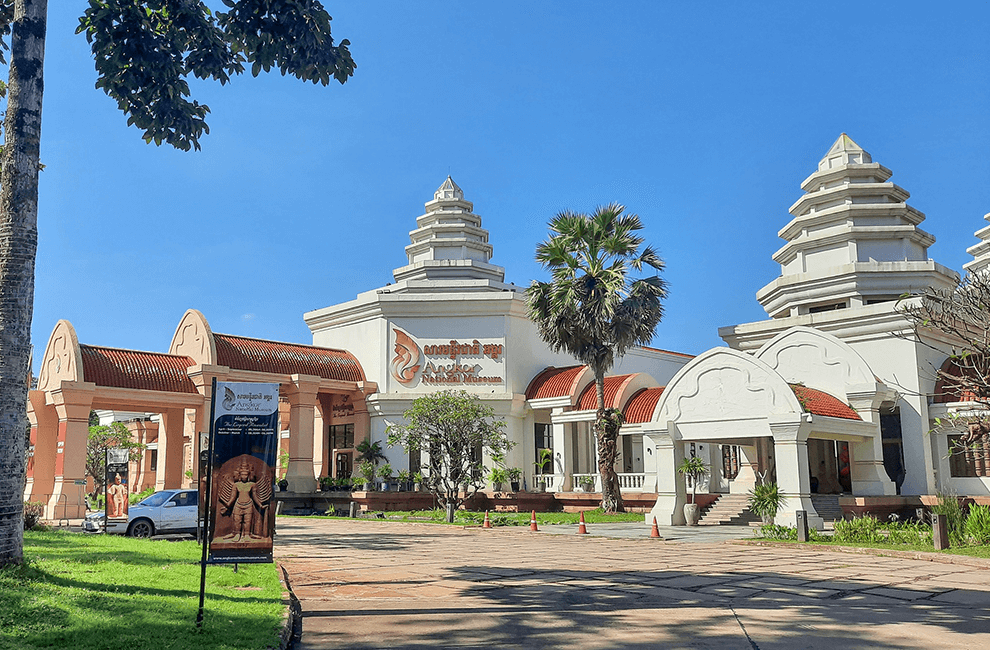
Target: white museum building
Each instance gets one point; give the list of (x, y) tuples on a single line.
[(833, 394)]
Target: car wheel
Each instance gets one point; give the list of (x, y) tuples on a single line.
[(141, 528)]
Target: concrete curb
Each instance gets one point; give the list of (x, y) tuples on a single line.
[(940, 558), (291, 618)]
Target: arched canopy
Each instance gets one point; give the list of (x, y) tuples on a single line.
[(640, 407), (948, 390), (195, 338), (116, 368), (724, 392), (619, 389), (818, 360), (556, 383)]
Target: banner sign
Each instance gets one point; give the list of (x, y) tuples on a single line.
[(116, 484), (245, 444)]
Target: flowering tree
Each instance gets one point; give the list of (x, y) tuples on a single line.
[(453, 429)]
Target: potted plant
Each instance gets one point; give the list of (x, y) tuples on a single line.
[(765, 501), (588, 483), (417, 479), (514, 474), (283, 485), (367, 472), (543, 456), (498, 477), (403, 480), (385, 474), (327, 483), (696, 469)]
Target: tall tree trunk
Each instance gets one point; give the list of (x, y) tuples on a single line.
[(18, 245), (607, 433)]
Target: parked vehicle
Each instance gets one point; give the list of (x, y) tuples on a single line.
[(166, 512)]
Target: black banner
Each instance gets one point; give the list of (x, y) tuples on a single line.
[(245, 443)]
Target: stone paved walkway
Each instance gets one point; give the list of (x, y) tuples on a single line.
[(393, 585)]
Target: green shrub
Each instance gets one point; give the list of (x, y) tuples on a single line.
[(869, 530), (137, 497), (948, 505), (977, 526), (33, 512), (773, 531), (765, 500)]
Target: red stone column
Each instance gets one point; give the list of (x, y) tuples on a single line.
[(302, 394), (73, 401), (169, 474), (44, 436)]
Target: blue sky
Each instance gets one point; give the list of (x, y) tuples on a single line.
[(701, 117)]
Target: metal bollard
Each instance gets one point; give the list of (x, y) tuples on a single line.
[(802, 525), (450, 513), (353, 510), (940, 532)]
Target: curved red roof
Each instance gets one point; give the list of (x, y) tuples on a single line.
[(640, 408), (133, 369), (242, 353), (553, 382), (948, 390), (589, 397), (819, 402)]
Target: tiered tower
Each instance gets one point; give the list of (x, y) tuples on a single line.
[(449, 242), (853, 240), (981, 251)]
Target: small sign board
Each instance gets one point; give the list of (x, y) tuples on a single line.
[(245, 442), (116, 484)]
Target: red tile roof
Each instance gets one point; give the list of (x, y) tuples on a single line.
[(947, 390), (244, 353), (680, 354), (134, 369), (589, 396), (553, 382), (640, 408), (821, 403)]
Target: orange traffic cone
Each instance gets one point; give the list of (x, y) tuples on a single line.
[(532, 522), (487, 523), (655, 532), (582, 530)]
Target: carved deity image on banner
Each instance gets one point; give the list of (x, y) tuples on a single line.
[(243, 501), (405, 363)]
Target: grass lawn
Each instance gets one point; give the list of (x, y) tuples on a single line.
[(971, 551), (465, 518), (104, 591)]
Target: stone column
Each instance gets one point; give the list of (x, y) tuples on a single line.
[(169, 473), (44, 438), (671, 491), (302, 394), (866, 470), (790, 443), (745, 480), (322, 417), (202, 377), (563, 461), (73, 401)]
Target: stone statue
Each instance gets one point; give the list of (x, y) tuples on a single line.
[(244, 499), (117, 499)]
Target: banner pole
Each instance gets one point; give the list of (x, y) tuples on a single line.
[(206, 510)]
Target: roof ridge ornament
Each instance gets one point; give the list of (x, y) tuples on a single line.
[(844, 152), (448, 190)]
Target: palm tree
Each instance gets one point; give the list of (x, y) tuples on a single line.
[(592, 308)]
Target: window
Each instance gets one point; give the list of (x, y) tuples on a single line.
[(342, 436), (153, 460), (184, 499), (543, 437), (968, 459), (831, 307), (730, 461)]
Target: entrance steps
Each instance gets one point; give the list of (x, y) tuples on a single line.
[(729, 510), (827, 506)]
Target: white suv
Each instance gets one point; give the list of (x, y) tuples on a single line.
[(166, 512)]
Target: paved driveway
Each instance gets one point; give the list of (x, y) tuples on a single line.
[(391, 585)]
